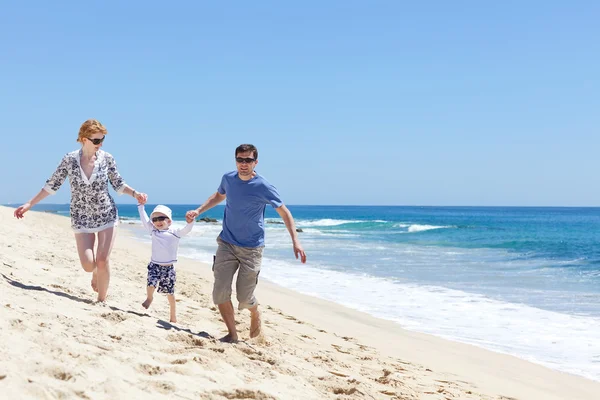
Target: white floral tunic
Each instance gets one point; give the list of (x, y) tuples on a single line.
[(92, 207)]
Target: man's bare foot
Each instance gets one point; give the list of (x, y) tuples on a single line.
[(255, 325), (147, 303), (173, 320), (95, 280), (229, 338)]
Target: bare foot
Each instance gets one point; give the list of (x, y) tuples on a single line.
[(229, 338), (255, 325), (173, 320), (95, 280), (147, 303)]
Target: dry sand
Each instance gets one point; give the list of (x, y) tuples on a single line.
[(56, 342)]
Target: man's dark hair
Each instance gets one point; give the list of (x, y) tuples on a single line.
[(242, 148)]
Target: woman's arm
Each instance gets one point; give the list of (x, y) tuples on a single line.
[(25, 207)]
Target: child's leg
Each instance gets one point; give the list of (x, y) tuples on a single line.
[(171, 298), (149, 296), (153, 279)]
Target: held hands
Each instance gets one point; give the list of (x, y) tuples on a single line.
[(142, 198), (19, 212), (191, 215), (299, 251)]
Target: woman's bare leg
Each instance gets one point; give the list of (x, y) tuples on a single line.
[(85, 249), (106, 239)]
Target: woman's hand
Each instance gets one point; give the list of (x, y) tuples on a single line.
[(22, 210), (142, 198)]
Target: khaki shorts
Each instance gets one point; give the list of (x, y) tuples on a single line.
[(228, 260)]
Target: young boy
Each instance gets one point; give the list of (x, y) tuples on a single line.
[(165, 241)]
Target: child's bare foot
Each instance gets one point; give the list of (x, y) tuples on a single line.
[(147, 303), (255, 324), (95, 280)]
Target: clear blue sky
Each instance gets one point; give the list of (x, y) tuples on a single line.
[(349, 102)]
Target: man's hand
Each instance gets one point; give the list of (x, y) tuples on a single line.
[(191, 215), (189, 219), (299, 251)]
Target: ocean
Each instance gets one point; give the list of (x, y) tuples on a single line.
[(520, 281)]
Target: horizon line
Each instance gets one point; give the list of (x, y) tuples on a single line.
[(336, 205)]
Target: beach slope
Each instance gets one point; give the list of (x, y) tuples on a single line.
[(56, 342)]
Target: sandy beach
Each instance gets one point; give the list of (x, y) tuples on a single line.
[(56, 342)]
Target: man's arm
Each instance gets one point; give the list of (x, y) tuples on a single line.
[(212, 201), (288, 220)]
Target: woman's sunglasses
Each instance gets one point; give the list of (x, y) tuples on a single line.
[(161, 218), (96, 141)]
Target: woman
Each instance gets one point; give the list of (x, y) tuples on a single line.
[(93, 210)]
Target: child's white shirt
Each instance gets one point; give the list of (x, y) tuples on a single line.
[(164, 242)]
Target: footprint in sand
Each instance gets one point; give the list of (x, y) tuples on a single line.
[(163, 387), (81, 394), (60, 374), (390, 378), (62, 288), (339, 349), (151, 369), (186, 339), (346, 391), (17, 323), (258, 356), (244, 394), (114, 317)]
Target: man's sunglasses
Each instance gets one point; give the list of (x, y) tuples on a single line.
[(245, 160), (161, 218), (96, 141)]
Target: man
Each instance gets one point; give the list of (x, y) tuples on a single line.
[(242, 240)]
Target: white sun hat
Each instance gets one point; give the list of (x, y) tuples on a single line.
[(162, 210)]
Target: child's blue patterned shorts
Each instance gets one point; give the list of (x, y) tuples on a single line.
[(162, 277)]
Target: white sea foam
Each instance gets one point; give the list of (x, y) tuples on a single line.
[(327, 222), (560, 341), (421, 228)]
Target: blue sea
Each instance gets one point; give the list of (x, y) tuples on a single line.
[(520, 281)]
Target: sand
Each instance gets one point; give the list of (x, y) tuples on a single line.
[(57, 342)]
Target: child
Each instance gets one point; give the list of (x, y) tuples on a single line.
[(161, 270)]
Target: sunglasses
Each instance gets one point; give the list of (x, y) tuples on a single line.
[(96, 141), (161, 218), (245, 160)]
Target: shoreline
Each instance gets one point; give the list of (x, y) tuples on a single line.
[(295, 322)]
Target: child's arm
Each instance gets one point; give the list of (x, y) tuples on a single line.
[(144, 217), (186, 229)]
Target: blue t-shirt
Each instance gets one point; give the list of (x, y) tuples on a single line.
[(244, 219)]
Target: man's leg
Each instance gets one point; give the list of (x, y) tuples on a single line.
[(224, 267), (255, 323), (228, 315), (250, 262)]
